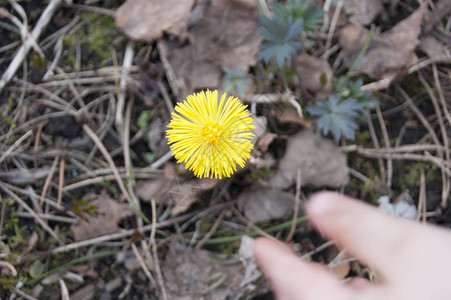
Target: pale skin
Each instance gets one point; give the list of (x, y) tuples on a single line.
[(412, 260)]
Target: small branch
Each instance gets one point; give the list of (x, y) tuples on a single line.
[(297, 203), (25, 48)]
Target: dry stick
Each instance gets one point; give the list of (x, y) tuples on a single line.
[(166, 98), (48, 180), (407, 156), (177, 86), (422, 198), (155, 250), (211, 231), (297, 202), (128, 60), (37, 138), (143, 264), (48, 217), (443, 128), (249, 223), (110, 161), (129, 166), (387, 144), (2, 215), (397, 149), (130, 232), (31, 211), (78, 97), (61, 181), (445, 188), (15, 145), (376, 145), (23, 50), (332, 26)]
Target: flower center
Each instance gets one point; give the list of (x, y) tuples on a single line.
[(212, 132)]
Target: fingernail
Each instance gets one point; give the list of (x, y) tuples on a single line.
[(321, 203)]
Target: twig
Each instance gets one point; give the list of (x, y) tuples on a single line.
[(212, 230), (15, 145), (166, 98), (297, 202), (48, 180), (177, 86), (435, 104), (61, 181), (34, 36), (376, 145), (155, 250), (332, 26), (128, 60), (107, 156), (130, 232), (27, 208), (161, 160), (387, 144), (143, 264)]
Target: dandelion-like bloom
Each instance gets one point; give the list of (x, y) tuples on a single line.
[(211, 136)]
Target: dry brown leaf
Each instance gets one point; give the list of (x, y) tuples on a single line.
[(146, 20), (321, 162), (265, 140), (227, 34), (435, 49), (196, 71), (394, 50), (260, 128), (260, 203), (196, 274), (341, 270), (314, 75), (104, 220), (362, 11), (181, 195)]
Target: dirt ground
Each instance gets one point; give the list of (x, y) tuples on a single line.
[(346, 95)]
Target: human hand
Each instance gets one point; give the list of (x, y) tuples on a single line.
[(413, 260)]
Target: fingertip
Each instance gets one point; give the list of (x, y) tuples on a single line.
[(322, 203)]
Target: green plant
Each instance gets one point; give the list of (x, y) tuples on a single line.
[(337, 116), (299, 9), (280, 38), (235, 81), (352, 89)]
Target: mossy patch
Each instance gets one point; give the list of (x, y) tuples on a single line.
[(94, 37)]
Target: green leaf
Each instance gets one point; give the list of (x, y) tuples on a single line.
[(36, 269), (337, 116), (280, 39)]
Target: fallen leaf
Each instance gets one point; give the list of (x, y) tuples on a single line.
[(394, 50), (103, 220), (156, 137), (319, 159), (181, 195), (227, 34), (197, 274), (260, 203), (196, 71), (362, 11), (314, 75), (146, 20), (260, 123), (265, 140), (289, 115), (435, 49)]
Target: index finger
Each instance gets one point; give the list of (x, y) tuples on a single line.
[(379, 240)]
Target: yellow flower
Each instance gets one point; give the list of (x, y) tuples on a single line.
[(211, 136)]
